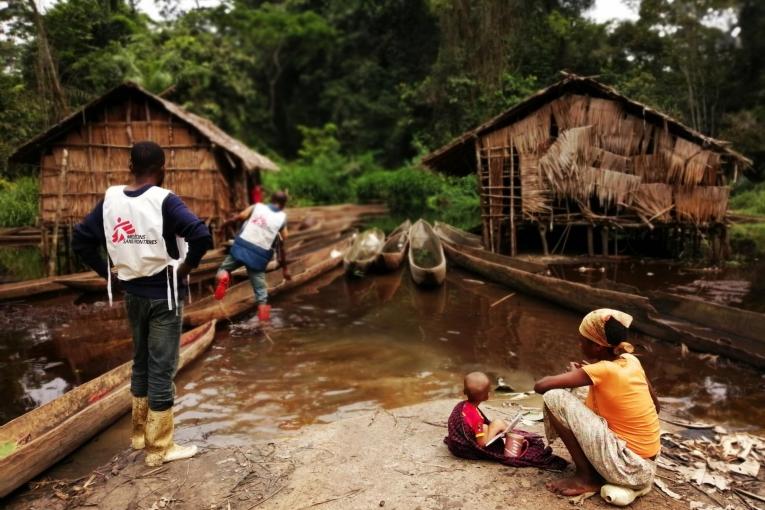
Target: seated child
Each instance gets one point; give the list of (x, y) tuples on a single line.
[(469, 431), (476, 389), (613, 437)]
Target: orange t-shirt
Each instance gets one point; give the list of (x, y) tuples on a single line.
[(620, 394)]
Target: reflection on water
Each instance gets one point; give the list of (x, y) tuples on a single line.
[(742, 287), (342, 347)]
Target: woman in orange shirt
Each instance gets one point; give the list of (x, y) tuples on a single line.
[(613, 437)]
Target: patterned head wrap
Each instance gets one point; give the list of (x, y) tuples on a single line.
[(593, 327)]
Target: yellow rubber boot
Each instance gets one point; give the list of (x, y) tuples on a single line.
[(140, 410), (159, 440), (621, 496)]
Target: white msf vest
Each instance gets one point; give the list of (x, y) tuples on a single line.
[(134, 242), (263, 226)]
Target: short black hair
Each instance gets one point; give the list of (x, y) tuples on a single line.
[(146, 158), (616, 332), (279, 198)]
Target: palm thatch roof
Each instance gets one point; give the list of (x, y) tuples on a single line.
[(250, 160), (458, 156)]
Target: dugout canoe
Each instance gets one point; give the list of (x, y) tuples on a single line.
[(427, 263), (395, 248), (454, 235), (241, 298), (26, 289), (674, 320), (33, 442), (363, 253)]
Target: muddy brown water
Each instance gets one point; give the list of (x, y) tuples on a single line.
[(341, 348), (739, 286)]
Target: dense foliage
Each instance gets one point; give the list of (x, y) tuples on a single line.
[(380, 82), (18, 202)]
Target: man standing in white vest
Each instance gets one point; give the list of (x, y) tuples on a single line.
[(265, 226), (153, 241)]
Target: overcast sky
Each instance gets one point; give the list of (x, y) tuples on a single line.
[(604, 10)]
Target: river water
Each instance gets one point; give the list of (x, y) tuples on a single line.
[(338, 348)]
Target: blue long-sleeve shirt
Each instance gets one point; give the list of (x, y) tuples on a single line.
[(88, 239)]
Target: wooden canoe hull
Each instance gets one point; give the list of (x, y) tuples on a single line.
[(719, 317), (698, 336), (41, 286), (392, 256), (458, 236), (240, 297), (363, 252), (577, 296), (422, 236), (54, 430)]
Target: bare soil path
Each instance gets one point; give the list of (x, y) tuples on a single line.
[(386, 459)]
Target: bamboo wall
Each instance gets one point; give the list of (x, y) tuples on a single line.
[(579, 153), (98, 152)]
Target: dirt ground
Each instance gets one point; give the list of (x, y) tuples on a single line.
[(391, 459)]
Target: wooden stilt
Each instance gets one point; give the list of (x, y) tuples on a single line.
[(513, 233), (604, 240), (59, 207), (543, 236), (590, 241), (725, 250), (714, 239)]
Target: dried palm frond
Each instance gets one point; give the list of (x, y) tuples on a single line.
[(605, 116), (688, 163), (653, 201), (577, 111), (532, 131), (560, 108), (628, 139), (559, 165), (610, 187), (650, 167), (535, 197), (605, 159), (702, 203), (526, 135)]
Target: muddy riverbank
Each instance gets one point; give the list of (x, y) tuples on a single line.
[(390, 459), (341, 349)]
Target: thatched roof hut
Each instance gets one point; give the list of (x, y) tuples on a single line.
[(580, 153), (89, 150)]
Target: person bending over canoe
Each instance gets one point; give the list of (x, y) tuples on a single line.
[(265, 227), (613, 437), (146, 230)]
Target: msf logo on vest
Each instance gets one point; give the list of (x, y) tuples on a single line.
[(259, 221), (124, 233)]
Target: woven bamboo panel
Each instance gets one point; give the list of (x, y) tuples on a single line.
[(99, 157)]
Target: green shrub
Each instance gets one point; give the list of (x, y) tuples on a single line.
[(18, 202), (750, 201)]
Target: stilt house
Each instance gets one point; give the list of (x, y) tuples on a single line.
[(580, 156), (88, 151)]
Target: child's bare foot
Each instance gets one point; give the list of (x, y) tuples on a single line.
[(574, 486)]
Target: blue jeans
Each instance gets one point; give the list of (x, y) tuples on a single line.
[(257, 278), (156, 345)]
